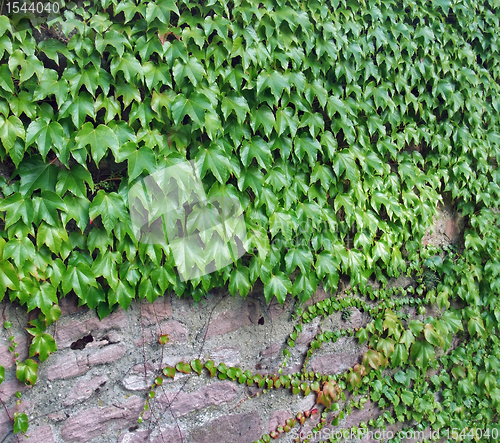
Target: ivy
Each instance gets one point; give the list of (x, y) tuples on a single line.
[(337, 128)]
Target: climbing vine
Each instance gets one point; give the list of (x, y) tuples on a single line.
[(338, 127)]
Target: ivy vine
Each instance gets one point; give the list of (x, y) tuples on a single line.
[(338, 126)]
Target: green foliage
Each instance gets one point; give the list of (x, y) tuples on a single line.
[(337, 127)]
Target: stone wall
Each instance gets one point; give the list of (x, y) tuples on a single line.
[(94, 387)]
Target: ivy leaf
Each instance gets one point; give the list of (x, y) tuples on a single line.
[(110, 206), (46, 208), (17, 207), (192, 69), (43, 345), (476, 326), (236, 104), (305, 286), (407, 338), (52, 236), (78, 278), (99, 139), (286, 118), (195, 107), (263, 116), (240, 281), (77, 209), (127, 64), (78, 108), (300, 257), (422, 353), (278, 285), (93, 297), (399, 356), (27, 372), (46, 133), (371, 358), (141, 160), (275, 81), (161, 10), (123, 294), (307, 145), (256, 148), (8, 277), (20, 250), (50, 83), (43, 297), (215, 160), (10, 129), (407, 397), (73, 180), (155, 75)]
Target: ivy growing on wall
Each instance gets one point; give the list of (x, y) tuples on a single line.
[(337, 125)]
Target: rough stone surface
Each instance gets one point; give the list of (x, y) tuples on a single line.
[(85, 389), (242, 428), (212, 395), (90, 423), (334, 363), (246, 314), (42, 434)]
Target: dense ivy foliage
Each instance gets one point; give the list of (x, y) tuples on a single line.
[(337, 125)]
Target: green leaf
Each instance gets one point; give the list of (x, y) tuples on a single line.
[(256, 148), (29, 65), (422, 353), (153, 75), (399, 356), (110, 206), (215, 160), (475, 326), (17, 207), (43, 297), (52, 236), (53, 314), (307, 145), (236, 104), (8, 277), (192, 69), (127, 64), (73, 180), (141, 160), (2, 374), (46, 133), (278, 285), (78, 108), (10, 129), (304, 286), (78, 278), (275, 81), (27, 372), (263, 116), (161, 10), (286, 118), (197, 366), (43, 345), (123, 294), (20, 250), (300, 257), (50, 83), (240, 281), (195, 107), (407, 397), (21, 420), (46, 208), (99, 139)]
